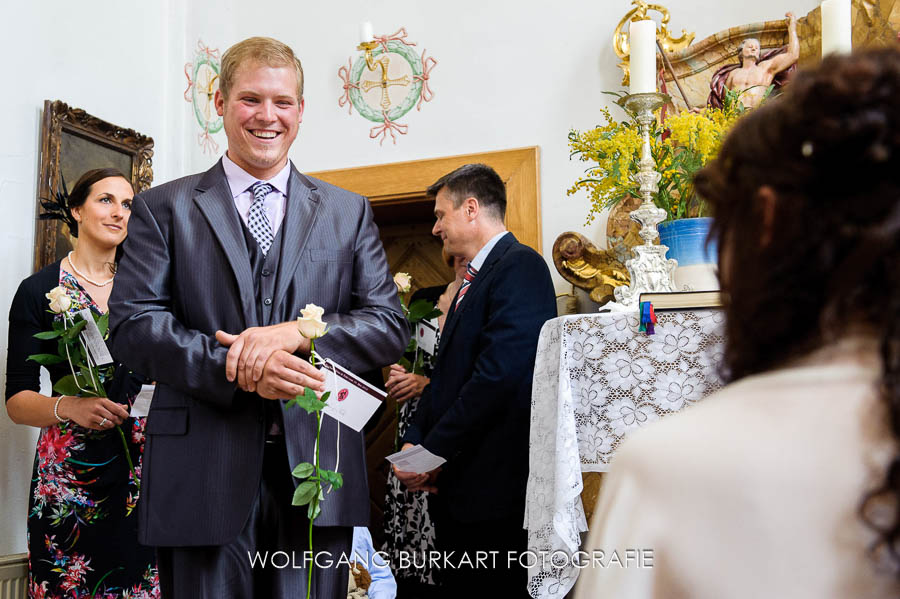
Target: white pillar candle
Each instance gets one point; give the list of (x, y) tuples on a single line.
[(365, 32), (836, 27), (643, 57)]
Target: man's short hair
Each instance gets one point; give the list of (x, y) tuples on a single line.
[(474, 180), (263, 50)]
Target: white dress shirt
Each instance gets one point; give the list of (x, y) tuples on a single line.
[(240, 181), (482, 254)]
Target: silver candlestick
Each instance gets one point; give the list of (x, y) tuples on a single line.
[(649, 268)]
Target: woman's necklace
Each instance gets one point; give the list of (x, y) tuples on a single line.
[(83, 276)]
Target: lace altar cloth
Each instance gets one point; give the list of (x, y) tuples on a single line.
[(596, 379)]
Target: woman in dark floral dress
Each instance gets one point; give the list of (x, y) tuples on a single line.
[(82, 521), (408, 528)]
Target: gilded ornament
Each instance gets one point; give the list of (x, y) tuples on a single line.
[(639, 13)]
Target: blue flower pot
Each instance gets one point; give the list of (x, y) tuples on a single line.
[(686, 239)]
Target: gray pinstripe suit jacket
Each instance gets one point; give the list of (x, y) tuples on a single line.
[(184, 273)]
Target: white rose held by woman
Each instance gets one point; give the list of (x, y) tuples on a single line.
[(310, 322), (403, 282), (59, 299)]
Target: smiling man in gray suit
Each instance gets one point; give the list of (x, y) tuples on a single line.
[(215, 270)]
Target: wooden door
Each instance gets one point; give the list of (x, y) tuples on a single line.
[(405, 217)]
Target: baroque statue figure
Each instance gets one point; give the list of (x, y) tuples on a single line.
[(584, 265), (757, 70)]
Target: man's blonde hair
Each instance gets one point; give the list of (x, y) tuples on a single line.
[(263, 50)]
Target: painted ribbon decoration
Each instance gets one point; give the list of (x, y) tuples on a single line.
[(399, 35), (207, 142), (344, 74), (388, 126), (425, 94), (204, 49), (187, 67)]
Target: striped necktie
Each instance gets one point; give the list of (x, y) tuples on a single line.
[(467, 280), (257, 220)]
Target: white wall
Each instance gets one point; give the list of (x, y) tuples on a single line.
[(510, 74)]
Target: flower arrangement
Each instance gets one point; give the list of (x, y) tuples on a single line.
[(680, 146)]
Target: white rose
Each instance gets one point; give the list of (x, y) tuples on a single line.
[(59, 299), (56, 292), (310, 322), (403, 282)]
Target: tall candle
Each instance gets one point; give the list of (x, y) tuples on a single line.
[(836, 27), (365, 32), (643, 57)]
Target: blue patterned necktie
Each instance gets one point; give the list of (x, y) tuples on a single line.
[(467, 280), (257, 220)]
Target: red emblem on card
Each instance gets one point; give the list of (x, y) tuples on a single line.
[(342, 394)]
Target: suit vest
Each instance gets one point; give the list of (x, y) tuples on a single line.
[(265, 271)]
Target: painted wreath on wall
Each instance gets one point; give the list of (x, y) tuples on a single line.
[(384, 86), (203, 81)]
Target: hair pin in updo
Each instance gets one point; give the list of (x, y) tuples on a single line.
[(807, 149)]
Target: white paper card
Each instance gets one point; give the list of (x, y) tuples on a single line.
[(426, 335), (416, 459), (352, 400), (94, 340), (141, 405)]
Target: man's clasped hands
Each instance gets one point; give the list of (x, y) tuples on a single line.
[(267, 361)]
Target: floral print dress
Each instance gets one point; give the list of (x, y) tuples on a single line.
[(409, 531), (82, 521), (408, 528)]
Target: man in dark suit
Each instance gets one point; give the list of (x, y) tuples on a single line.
[(216, 268), (476, 411)]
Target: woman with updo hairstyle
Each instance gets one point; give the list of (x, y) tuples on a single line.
[(786, 482), (82, 521)]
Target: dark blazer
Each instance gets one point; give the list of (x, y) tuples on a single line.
[(185, 272), (476, 413)]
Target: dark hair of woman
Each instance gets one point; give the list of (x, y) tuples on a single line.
[(60, 207), (806, 198)]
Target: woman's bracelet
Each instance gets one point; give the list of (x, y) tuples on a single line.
[(56, 409)]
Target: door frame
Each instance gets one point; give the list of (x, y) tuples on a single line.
[(400, 183)]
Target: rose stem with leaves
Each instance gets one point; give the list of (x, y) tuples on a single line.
[(312, 327)]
